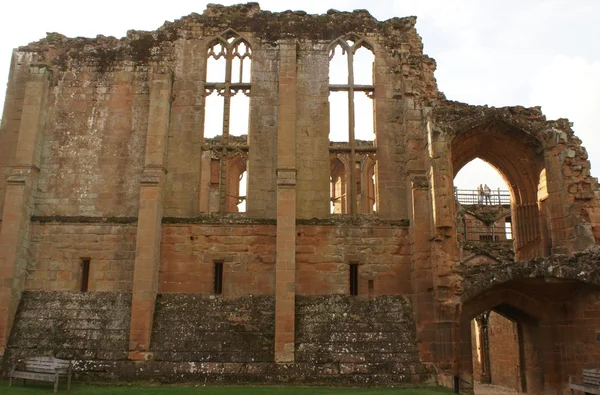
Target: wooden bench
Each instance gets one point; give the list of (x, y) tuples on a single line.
[(42, 369), (590, 384)]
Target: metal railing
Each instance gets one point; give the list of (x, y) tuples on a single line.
[(471, 196), (487, 234)]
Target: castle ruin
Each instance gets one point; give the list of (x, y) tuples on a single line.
[(175, 208)]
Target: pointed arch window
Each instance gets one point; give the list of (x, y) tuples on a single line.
[(226, 121), (351, 134)]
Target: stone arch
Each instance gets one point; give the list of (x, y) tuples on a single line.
[(236, 166), (536, 310), (520, 143), (518, 157), (351, 42), (514, 153), (580, 267), (338, 165), (496, 296)]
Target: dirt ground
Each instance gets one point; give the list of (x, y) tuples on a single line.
[(489, 389)]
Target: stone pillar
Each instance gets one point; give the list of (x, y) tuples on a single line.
[(147, 258), (444, 247), (285, 267), (557, 203), (421, 268), (19, 201)]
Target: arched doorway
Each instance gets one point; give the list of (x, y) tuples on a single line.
[(548, 319), (524, 367)]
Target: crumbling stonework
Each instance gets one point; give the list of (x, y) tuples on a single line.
[(71, 325), (111, 188)]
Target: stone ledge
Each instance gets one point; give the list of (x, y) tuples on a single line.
[(43, 219)]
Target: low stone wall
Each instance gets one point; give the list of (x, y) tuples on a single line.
[(71, 325), (341, 340), (358, 340), (208, 328)]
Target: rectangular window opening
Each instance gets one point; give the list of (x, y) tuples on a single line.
[(85, 274), (218, 284), (354, 279)]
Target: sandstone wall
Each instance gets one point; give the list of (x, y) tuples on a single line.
[(324, 252), (189, 251), (71, 325), (312, 131), (579, 336), (504, 351), (94, 143), (57, 250), (11, 118)]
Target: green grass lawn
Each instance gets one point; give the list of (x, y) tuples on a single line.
[(35, 389)]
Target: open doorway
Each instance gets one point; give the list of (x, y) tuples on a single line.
[(496, 352), (503, 348), (483, 204)]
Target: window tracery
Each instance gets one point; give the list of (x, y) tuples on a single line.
[(226, 121), (351, 135)]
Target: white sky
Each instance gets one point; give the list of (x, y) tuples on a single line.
[(510, 52)]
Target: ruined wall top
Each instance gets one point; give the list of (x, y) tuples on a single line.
[(147, 47)]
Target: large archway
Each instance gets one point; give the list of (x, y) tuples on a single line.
[(518, 157)]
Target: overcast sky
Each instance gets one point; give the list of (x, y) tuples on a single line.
[(509, 52)]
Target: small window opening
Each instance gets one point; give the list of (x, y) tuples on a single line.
[(354, 279), (85, 274), (218, 283), (488, 238), (508, 228), (242, 193)]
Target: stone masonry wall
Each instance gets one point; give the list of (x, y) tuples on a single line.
[(504, 351), (324, 252), (578, 336), (341, 340), (200, 328), (11, 119), (189, 251), (57, 250), (93, 150), (354, 339), (71, 325)]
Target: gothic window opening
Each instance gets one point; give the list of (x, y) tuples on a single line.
[(236, 184), (226, 123), (338, 186), (351, 133)]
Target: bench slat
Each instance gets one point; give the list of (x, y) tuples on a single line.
[(585, 388), (33, 376)]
